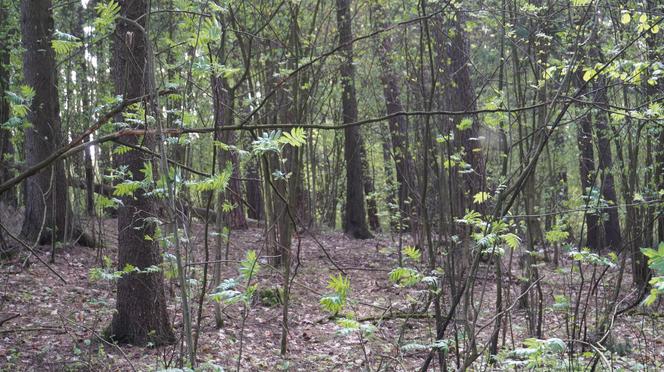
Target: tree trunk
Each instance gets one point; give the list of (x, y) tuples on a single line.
[(141, 315), (253, 186), (653, 92), (355, 216), (84, 110), (6, 147), (369, 190), (223, 103), (47, 189), (459, 95), (584, 141), (398, 125), (612, 236)]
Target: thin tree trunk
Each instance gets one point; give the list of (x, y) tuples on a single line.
[(369, 190), (223, 103), (6, 147), (398, 125), (253, 187)]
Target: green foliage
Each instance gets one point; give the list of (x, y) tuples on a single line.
[(249, 266), (103, 203), (656, 263), (121, 150), (19, 104), (436, 345), (266, 142), (296, 138), (106, 273), (218, 182), (412, 253), (481, 197), (490, 233), (512, 240), (335, 302), (464, 124), (585, 256), (226, 293), (126, 188), (537, 354), (557, 234), (561, 303), (655, 258), (64, 43), (332, 303), (405, 276), (349, 326), (107, 13), (274, 140), (229, 293)]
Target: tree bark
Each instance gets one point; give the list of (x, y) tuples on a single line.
[(398, 127), (223, 103), (253, 187), (6, 147), (612, 236), (46, 190), (369, 189), (355, 216), (653, 91), (141, 316), (584, 141)]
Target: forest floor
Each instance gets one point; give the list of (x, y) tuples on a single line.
[(58, 325)]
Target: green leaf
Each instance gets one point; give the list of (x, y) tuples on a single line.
[(625, 18), (405, 276), (465, 124), (217, 183), (107, 12), (296, 138), (481, 197), (340, 285), (249, 266), (412, 253), (512, 240), (332, 303), (122, 149), (64, 43), (126, 188)]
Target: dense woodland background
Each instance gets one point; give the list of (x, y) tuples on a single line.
[(331, 185)]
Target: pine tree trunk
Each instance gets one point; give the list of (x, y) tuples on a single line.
[(47, 189), (355, 214), (141, 315)]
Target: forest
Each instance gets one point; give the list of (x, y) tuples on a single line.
[(318, 185)]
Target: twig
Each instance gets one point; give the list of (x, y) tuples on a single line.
[(5, 320)]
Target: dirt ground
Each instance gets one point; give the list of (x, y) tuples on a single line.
[(58, 326)]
